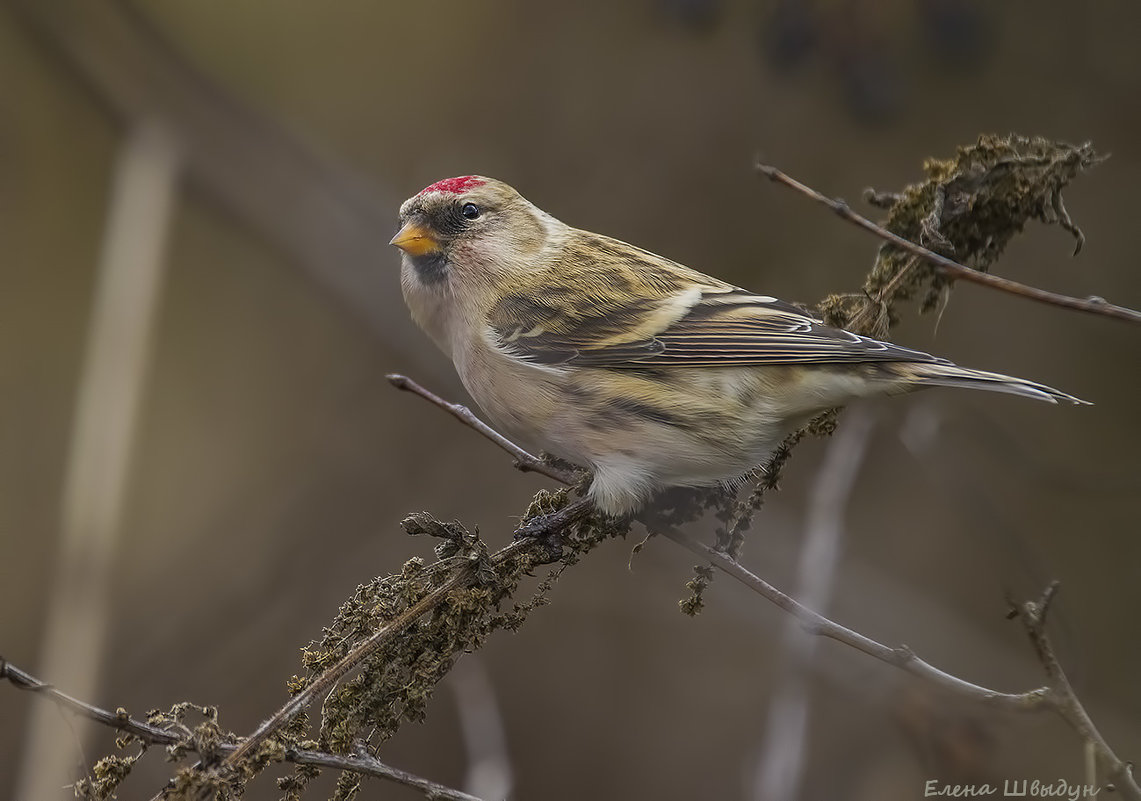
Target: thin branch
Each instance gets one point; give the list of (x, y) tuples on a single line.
[(368, 765), (901, 657), (121, 721), (1092, 305), (1066, 703), (524, 461), (877, 304)]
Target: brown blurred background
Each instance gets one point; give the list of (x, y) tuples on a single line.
[(271, 463)]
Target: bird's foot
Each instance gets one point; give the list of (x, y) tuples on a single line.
[(548, 529)]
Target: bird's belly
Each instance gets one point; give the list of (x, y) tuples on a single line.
[(640, 431), (693, 427), (521, 400)]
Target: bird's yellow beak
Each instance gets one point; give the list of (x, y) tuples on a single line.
[(415, 240)]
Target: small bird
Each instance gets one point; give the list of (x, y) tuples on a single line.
[(651, 374)]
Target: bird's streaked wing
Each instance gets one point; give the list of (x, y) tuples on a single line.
[(711, 326)]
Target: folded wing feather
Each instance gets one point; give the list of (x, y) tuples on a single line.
[(720, 327)]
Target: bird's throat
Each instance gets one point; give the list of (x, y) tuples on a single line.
[(431, 268)]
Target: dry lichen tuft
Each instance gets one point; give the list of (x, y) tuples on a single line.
[(968, 209), (397, 681)]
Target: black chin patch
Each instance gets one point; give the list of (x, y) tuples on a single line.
[(431, 268)]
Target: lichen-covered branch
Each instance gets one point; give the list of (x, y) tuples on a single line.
[(375, 667), (169, 731), (970, 206), (402, 634)]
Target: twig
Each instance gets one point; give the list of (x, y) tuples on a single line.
[(857, 323), (1092, 305), (371, 766), (524, 461), (1058, 696), (901, 657), (1065, 700), (121, 721)]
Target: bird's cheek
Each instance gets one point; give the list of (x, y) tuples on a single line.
[(482, 260)]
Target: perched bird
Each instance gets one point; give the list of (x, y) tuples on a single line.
[(647, 372)]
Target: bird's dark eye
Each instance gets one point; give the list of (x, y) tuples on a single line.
[(470, 211)]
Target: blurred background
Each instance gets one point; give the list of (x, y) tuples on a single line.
[(200, 457)]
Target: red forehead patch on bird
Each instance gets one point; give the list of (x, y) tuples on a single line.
[(454, 186)]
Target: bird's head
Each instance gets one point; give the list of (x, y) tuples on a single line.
[(467, 230), (467, 241)]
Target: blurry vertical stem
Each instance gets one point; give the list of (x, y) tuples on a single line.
[(110, 387), (781, 766), (489, 771)]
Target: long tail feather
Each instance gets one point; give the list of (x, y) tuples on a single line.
[(949, 375)]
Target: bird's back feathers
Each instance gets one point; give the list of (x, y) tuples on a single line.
[(637, 309)]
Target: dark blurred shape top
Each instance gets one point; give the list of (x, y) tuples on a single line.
[(865, 44), (699, 16)]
